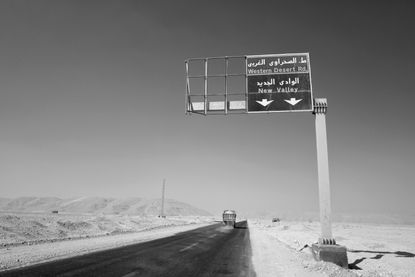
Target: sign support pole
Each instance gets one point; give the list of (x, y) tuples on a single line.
[(162, 199), (326, 249), (320, 109)]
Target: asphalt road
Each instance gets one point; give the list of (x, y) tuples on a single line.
[(214, 250)]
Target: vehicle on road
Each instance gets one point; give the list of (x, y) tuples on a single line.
[(229, 217)]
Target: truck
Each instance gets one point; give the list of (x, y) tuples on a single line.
[(229, 217)]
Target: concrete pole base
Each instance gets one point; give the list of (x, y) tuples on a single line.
[(336, 254)]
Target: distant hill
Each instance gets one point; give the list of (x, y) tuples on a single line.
[(99, 205)]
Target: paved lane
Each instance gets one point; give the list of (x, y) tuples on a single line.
[(214, 250)]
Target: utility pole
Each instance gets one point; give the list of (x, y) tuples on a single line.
[(162, 199)]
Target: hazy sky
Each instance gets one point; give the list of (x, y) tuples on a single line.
[(92, 103)]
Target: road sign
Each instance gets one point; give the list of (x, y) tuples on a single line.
[(278, 83)]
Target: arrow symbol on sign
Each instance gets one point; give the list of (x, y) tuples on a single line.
[(265, 102), (293, 101)]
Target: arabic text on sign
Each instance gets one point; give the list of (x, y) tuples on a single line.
[(277, 62)]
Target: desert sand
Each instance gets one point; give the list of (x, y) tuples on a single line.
[(281, 249)]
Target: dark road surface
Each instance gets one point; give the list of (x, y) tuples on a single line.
[(214, 250)]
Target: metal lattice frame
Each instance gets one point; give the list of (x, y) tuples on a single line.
[(190, 108)]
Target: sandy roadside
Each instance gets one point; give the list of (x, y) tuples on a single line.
[(24, 255), (271, 257), (373, 249)]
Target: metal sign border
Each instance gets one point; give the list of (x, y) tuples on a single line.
[(279, 55)]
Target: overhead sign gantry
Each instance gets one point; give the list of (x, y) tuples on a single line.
[(266, 84)]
